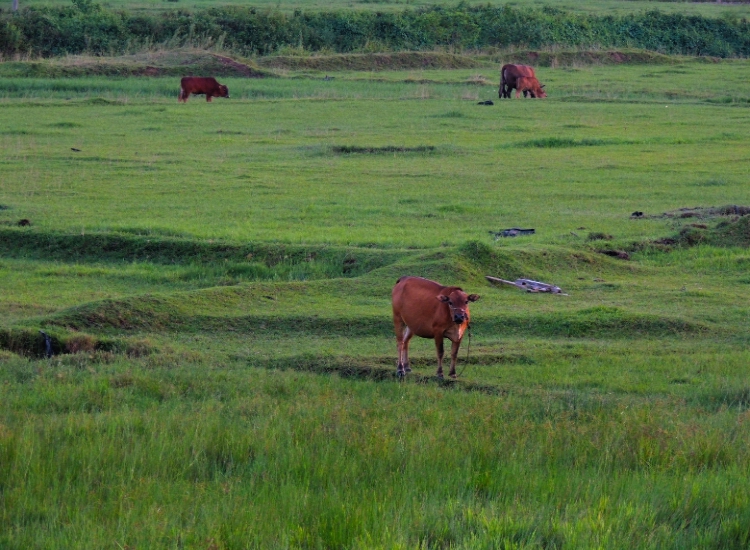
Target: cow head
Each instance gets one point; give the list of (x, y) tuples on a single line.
[(223, 90), (458, 303)]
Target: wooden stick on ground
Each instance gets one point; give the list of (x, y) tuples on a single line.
[(528, 285)]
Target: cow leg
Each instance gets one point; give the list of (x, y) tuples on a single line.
[(403, 335), (440, 351), (208, 98), (454, 357), (407, 337)]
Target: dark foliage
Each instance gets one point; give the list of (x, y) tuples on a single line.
[(85, 26)]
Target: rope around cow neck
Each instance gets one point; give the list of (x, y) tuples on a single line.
[(468, 351)]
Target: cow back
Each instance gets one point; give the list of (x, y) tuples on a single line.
[(511, 72), (199, 84), (415, 300)]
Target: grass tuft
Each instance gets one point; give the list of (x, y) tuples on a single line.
[(557, 142), (385, 149)]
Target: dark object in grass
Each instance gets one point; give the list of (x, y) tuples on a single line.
[(351, 149), (512, 232), (47, 344), (23, 223), (597, 236), (668, 241), (528, 285), (4, 207), (328, 78), (74, 149), (637, 214), (488, 102), (620, 254)]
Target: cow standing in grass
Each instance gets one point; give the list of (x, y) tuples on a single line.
[(430, 310), (529, 84), (509, 75), (201, 85)]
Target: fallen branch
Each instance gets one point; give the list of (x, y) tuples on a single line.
[(528, 285)]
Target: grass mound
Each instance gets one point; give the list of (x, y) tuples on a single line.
[(257, 261), (533, 263), (727, 233), (371, 61), (598, 321), (731, 231), (160, 63), (31, 343), (708, 211), (573, 58)]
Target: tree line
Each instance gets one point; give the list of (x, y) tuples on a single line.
[(86, 27)]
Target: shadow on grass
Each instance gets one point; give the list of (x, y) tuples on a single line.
[(357, 368)]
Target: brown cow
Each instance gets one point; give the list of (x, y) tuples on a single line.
[(529, 84), (201, 85), (428, 309), (509, 75)]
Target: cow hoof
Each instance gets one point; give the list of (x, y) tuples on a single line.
[(400, 374), (407, 369), (440, 376), (453, 376)]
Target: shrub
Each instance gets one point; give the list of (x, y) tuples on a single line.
[(87, 27)]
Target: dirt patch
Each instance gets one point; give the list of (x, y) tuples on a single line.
[(148, 64), (240, 68), (575, 58), (371, 61), (619, 254)]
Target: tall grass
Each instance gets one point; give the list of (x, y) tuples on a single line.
[(247, 459)]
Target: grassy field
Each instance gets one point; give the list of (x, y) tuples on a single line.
[(216, 281)]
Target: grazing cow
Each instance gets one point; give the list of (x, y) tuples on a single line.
[(509, 73), (529, 84), (201, 85), (428, 309)]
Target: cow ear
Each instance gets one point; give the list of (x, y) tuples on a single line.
[(443, 298), (472, 298)]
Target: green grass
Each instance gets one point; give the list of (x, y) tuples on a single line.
[(216, 281)]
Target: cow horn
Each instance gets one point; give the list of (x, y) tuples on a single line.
[(543, 85)]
